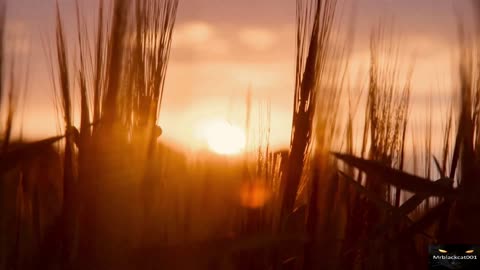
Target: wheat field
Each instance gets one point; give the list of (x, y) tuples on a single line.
[(110, 194)]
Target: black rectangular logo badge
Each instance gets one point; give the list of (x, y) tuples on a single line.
[(454, 257)]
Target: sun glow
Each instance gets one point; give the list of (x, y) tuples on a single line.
[(224, 138)]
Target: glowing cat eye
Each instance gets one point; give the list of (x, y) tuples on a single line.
[(470, 251), (443, 251)]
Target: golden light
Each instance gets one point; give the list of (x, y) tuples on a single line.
[(224, 138), (469, 251), (443, 251), (254, 194)]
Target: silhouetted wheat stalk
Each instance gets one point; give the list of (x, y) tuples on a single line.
[(313, 117), (314, 22)]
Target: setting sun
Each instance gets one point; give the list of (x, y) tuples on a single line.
[(224, 138)]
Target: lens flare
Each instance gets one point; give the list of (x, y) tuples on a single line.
[(254, 195)]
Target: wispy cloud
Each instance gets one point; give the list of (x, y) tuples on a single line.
[(16, 36), (258, 38), (199, 37)]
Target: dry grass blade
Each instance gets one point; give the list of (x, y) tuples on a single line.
[(417, 227), (456, 151), (2, 47), (395, 177), (13, 157), (426, 220), (115, 61), (439, 167), (469, 106), (99, 65), (381, 204), (401, 213), (396, 213), (12, 104), (67, 217), (63, 72), (417, 199), (84, 110)]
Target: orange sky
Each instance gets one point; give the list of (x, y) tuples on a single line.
[(223, 47)]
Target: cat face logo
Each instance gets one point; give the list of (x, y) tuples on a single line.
[(470, 251), (454, 257)]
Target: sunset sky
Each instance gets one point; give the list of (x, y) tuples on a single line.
[(223, 47)]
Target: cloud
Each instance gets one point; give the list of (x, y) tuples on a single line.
[(16, 36), (257, 39), (199, 37), (193, 33)]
